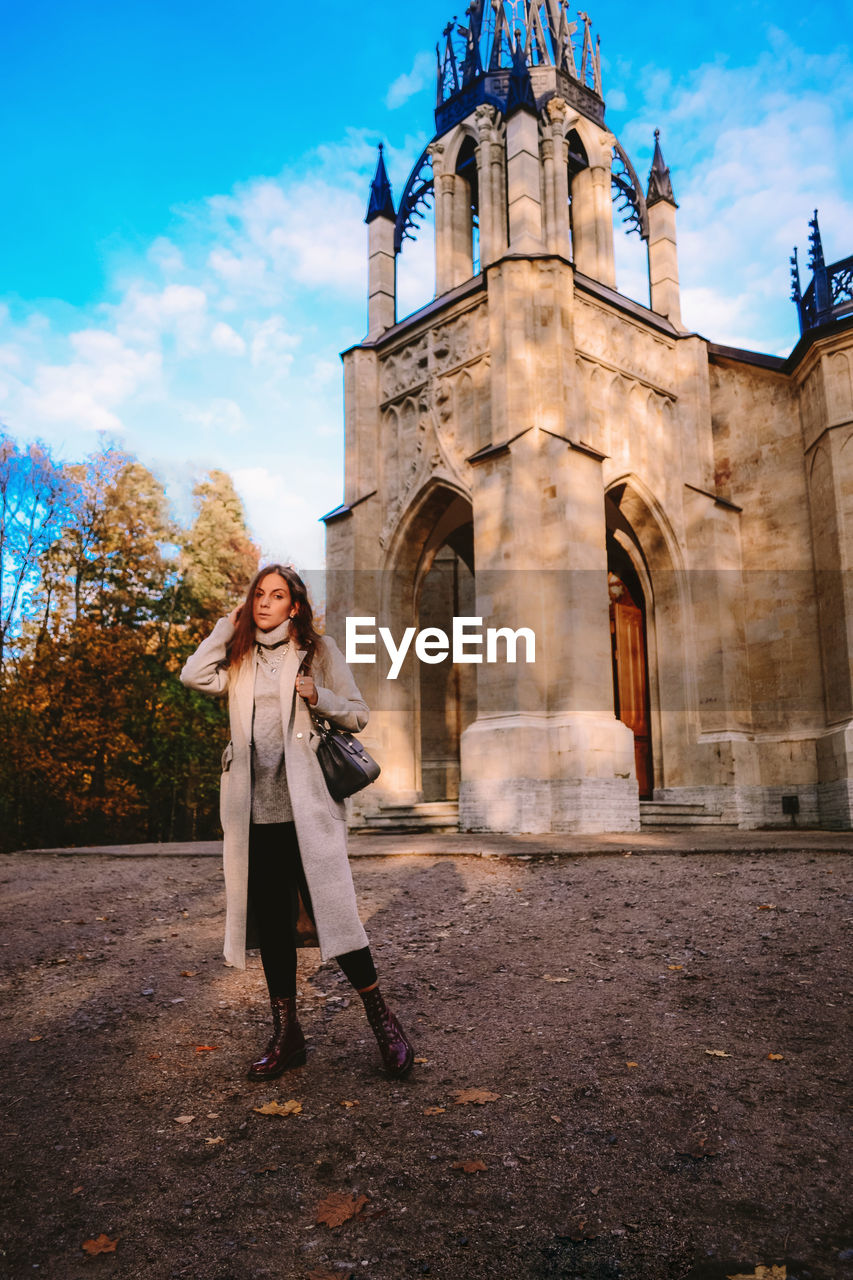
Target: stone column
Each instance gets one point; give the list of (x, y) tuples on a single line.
[(826, 401), (489, 208), (556, 157), (592, 224), (664, 292), (545, 752), (381, 277), (524, 183), (444, 184)]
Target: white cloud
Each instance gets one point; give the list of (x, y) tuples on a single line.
[(227, 340), (272, 346), (423, 73), (284, 517), (217, 416), (166, 255), (753, 150), (89, 392), (178, 311)]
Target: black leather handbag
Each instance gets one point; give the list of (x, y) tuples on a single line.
[(347, 766)]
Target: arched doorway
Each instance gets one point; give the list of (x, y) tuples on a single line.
[(447, 691), (631, 699)]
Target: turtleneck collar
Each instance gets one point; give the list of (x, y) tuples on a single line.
[(272, 639)]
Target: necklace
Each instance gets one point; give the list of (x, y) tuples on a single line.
[(264, 652)]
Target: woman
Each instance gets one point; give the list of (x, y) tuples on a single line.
[(285, 837)]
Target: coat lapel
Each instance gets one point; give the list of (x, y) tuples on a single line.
[(287, 681)]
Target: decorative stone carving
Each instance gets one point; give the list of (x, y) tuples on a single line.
[(435, 448), (445, 348), (405, 369), (487, 123), (621, 345)]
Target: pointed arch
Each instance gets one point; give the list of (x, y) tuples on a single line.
[(429, 571), (638, 524)]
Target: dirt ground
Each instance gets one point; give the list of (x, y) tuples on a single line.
[(667, 1037)]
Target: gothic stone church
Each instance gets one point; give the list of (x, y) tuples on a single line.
[(672, 518)]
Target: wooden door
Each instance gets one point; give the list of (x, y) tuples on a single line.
[(630, 678)]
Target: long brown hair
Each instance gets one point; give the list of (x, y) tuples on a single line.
[(302, 629)]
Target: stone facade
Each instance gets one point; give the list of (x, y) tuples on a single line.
[(537, 450)]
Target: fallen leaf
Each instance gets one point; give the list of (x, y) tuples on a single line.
[(213, 1115), (675, 967), (434, 1111), (267, 1168), (189, 973), (767, 906), (34, 1039), (422, 1060), (776, 1057), (338, 1208), (344, 1103), (103, 1244), (629, 854), (76, 1191), (586, 1229), (152, 1057), (632, 1064), (549, 978), (763, 1273), (557, 1119), (700, 1147), (206, 1048), (717, 1053), (469, 1166), (183, 1119), (480, 1096), (290, 1108), (213, 1142)]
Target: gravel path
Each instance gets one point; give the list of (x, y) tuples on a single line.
[(668, 1038)]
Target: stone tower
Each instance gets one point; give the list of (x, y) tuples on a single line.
[(534, 449)]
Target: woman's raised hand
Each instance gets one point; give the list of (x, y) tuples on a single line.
[(234, 615), (306, 689)]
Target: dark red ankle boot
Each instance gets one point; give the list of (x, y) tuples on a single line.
[(286, 1048), (397, 1053)]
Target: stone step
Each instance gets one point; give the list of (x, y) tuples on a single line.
[(677, 813), (433, 815), (425, 808), (663, 821), (662, 814), (670, 806)]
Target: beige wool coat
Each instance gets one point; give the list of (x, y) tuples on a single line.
[(320, 821)]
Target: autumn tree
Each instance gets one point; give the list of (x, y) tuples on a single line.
[(31, 494), (107, 745), (218, 559)]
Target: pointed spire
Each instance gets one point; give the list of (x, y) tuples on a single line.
[(660, 183), (796, 290), (520, 96), (381, 200), (821, 292), (816, 261)]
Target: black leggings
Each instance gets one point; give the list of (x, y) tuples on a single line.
[(276, 881)]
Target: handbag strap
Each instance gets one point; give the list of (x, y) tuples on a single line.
[(305, 670)]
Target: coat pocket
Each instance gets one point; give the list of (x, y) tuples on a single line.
[(227, 757)]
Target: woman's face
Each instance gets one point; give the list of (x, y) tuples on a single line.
[(272, 602)]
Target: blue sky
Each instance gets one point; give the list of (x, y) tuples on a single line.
[(181, 237)]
